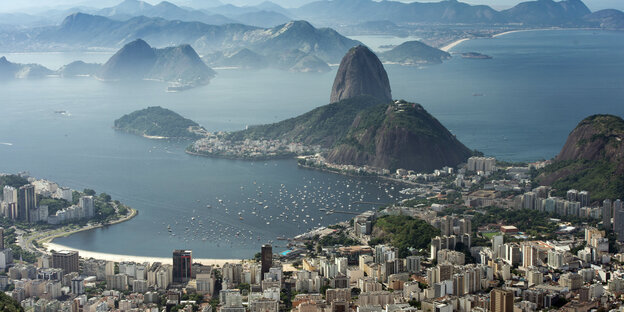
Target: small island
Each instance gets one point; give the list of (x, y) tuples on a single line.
[(159, 123), (476, 55), (413, 53)]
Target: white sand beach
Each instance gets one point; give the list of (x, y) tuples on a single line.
[(138, 259), (451, 45)]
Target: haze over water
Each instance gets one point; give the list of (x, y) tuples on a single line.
[(533, 92)]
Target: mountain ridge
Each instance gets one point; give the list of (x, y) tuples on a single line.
[(138, 60), (592, 159), (84, 31), (398, 135)]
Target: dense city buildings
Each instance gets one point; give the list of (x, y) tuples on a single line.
[(495, 242)]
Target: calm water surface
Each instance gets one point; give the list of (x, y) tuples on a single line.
[(533, 92)]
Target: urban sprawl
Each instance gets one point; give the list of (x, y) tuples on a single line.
[(485, 255)]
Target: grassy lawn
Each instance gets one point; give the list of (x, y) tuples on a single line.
[(490, 235)]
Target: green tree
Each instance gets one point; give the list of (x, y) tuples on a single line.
[(13, 181), (105, 197), (8, 304)]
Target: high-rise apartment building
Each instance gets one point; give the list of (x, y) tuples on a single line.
[(9, 194), (618, 220), (501, 300), (182, 263), (66, 260), (266, 258), (26, 201), (607, 212), (86, 203), (583, 197)]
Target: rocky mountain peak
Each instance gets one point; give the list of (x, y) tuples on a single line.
[(361, 73)]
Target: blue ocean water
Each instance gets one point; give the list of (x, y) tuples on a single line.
[(533, 92)]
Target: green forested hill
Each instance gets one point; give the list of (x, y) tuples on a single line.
[(157, 121)]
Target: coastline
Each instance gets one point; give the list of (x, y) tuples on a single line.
[(348, 174), (139, 259), (44, 239), (455, 43), (263, 158)]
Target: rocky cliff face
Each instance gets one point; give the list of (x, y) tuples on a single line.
[(598, 137), (592, 159), (399, 135), (361, 73)]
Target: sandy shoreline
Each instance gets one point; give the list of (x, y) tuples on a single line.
[(451, 45), (138, 259)]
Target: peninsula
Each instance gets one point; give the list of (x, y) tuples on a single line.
[(362, 126), (159, 123), (55, 211)]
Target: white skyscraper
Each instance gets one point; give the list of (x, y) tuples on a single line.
[(86, 203), (9, 194)]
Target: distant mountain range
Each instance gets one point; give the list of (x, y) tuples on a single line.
[(566, 13), (266, 14), (263, 15), (137, 60), (167, 10), (217, 35), (287, 45), (345, 13)]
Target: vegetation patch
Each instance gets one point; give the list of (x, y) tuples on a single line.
[(403, 232)]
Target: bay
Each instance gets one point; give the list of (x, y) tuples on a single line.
[(518, 106)]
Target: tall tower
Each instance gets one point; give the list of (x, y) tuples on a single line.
[(267, 259), (182, 263), (618, 220), (1, 238), (607, 210), (501, 300), (26, 201)]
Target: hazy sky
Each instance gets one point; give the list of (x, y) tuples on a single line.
[(38, 5)]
